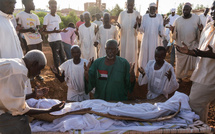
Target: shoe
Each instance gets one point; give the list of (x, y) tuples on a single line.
[(40, 78)]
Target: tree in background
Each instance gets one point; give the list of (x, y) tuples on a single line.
[(116, 10), (180, 9), (94, 10), (71, 17), (41, 16)]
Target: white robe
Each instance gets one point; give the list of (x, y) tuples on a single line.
[(87, 38), (103, 35), (151, 27), (128, 36), (74, 77), (158, 83), (186, 30)]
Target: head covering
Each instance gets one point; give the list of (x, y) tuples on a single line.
[(106, 13), (75, 46), (188, 4), (152, 5), (86, 12), (173, 10)]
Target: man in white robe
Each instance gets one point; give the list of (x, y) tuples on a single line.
[(172, 17), (106, 32), (203, 88), (204, 16), (73, 73), (98, 21), (159, 75), (87, 38), (13, 107), (128, 34), (186, 28), (152, 27)]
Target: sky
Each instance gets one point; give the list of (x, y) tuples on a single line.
[(141, 5)]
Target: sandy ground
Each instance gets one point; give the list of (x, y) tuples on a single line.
[(58, 90)]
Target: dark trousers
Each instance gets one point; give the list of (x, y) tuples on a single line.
[(35, 46), (58, 53), (14, 124)]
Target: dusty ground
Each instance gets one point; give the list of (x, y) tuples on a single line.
[(58, 90)]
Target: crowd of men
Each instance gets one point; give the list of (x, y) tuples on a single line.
[(86, 58)]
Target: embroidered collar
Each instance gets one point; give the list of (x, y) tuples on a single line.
[(6, 15)]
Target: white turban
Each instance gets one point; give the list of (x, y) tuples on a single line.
[(173, 10), (152, 5), (73, 46), (86, 12)]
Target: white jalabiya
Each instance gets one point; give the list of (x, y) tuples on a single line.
[(103, 35), (158, 83), (152, 28), (173, 18), (98, 22), (204, 72), (186, 30), (203, 19), (74, 77), (10, 45), (87, 38), (128, 36), (13, 77)]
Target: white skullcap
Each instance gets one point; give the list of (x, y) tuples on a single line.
[(152, 5), (86, 12), (106, 13), (173, 10), (73, 46)]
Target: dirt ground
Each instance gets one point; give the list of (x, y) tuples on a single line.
[(58, 90)]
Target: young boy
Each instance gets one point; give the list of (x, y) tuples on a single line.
[(73, 73), (68, 39), (30, 24), (51, 27), (159, 75)]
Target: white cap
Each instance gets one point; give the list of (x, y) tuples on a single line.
[(73, 46), (86, 12), (173, 10), (152, 5)]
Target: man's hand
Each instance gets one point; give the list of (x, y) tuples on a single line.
[(96, 44), (200, 27), (56, 31), (76, 32), (96, 29), (166, 21), (18, 28), (31, 30), (209, 53), (171, 28), (169, 74), (57, 107), (142, 71), (183, 50), (132, 74), (118, 25), (87, 67), (64, 30), (41, 92)]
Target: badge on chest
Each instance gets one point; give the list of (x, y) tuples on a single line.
[(102, 74)]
